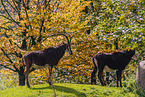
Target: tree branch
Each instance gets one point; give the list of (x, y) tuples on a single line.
[(17, 70), (11, 6), (8, 38), (17, 45), (7, 67), (40, 36), (11, 41), (19, 9), (18, 54), (6, 55), (5, 17), (9, 14), (14, 4), (33, 40), (24, 42), (5, 28), (25, 8)]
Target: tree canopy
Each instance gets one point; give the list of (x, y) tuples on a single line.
[(95, 25)]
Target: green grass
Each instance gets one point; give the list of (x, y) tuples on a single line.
[(66, 90)]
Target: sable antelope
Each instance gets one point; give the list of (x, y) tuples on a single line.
[(110, 61), (47, 57)]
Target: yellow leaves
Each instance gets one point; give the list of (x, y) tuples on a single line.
[(3, 38), (68, 15), (65, 16), (130, 7), (83, 5), (23, 22), (2, 30), (36, 47)]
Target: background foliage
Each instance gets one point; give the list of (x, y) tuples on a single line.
[(95, 25)]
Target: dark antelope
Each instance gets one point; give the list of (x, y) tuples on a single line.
[(47, 57), (110, 61)]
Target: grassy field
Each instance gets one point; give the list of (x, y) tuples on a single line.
[(66, 90)]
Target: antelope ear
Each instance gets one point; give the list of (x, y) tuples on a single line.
[(63, 43), (133, 50)]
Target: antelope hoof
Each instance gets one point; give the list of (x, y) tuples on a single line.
[(28, 85), (108, 82), (49, 83), (104, 84)]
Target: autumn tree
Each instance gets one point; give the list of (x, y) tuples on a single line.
[(115, 25), (26, 24), (95, 25)]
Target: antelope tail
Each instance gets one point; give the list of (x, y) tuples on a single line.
[(95, 64), (93, 74)]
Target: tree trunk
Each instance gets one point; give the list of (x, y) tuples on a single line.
[(21, 76), (140, 75)]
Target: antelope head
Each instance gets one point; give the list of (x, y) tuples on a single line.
[(68, 44)]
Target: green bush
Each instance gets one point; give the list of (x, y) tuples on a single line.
[(131, 86)]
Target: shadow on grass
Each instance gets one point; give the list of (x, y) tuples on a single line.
[(63, 89)]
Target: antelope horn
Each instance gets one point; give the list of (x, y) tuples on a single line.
[(64, 35), (68, 35)]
